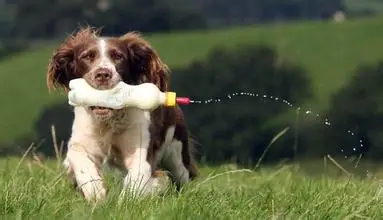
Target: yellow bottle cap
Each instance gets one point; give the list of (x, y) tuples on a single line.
[(170, 99)]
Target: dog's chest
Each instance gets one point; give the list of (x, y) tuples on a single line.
[(121, 122), (127, 120)]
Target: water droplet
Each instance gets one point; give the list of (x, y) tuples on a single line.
[(229, 97)]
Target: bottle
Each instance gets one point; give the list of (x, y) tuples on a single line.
[(146, 96)]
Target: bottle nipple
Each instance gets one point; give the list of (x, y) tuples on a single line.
[(183, 100)]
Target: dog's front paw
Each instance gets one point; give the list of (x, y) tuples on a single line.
[(151, 187), (94, 190), (137, 184)]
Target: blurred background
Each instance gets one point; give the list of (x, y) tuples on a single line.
[(323, 56)]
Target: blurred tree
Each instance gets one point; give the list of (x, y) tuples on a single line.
[(147, 16), (53, 18), (358, 108), (8, 43), (6, 17), (224, 12), (242, 127)]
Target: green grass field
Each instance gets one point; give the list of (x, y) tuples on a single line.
[(328, 51), (32, 191)]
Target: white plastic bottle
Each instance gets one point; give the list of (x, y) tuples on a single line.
[(145, 96)]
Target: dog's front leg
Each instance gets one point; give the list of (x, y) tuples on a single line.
[(86, 171), (134, 145), (139, 175)]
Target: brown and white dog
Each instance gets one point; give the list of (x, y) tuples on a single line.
[(137, 141)]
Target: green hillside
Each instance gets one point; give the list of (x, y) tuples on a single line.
[(329, 51)]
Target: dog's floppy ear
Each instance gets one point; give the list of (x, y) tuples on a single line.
[(144, 62), (62, 68)]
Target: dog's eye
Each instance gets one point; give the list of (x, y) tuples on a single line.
[(87, 56), (117, 56)]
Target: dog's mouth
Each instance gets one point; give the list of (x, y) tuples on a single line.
[(98, 110)]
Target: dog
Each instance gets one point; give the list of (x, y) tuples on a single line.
[(137, 141)]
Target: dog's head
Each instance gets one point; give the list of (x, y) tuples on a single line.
[(105, 61)]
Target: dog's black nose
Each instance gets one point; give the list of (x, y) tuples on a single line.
[(103, 74)]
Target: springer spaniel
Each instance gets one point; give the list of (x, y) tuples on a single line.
[(136, 141)]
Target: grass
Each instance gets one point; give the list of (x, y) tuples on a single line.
[(330, 52), (31, 188), (34, 191), (38, 189)]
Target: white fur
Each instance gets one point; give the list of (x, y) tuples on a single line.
[(171, 157), (90, 144), (87, 148), (87, 174), (172, 160), (104, 59), (168, 139), (134, 144), (103, 49)]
